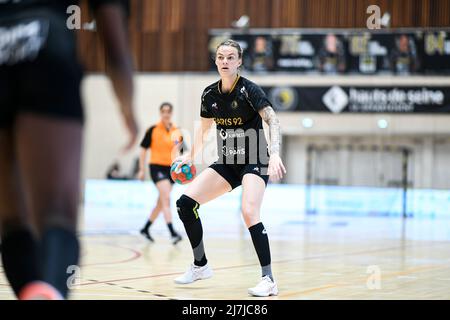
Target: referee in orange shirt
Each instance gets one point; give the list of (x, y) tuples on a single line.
[(165, 141)]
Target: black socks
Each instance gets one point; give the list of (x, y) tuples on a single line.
[(171, 230), (20, 258), (60, 250), (261, 244), (147, 226), (188, 212)]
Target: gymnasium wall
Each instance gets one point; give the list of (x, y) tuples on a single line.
[(427, 135), (172, 35)]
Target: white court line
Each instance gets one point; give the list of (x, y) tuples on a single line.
[(406, 277)]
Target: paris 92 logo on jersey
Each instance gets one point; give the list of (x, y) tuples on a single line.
[(229, 121)]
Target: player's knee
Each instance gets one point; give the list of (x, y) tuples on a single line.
[(251, 220), (250, 213), (249, 208), (187, 209), (164, 201)]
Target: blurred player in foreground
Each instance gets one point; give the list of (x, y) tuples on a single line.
[(41, 124)]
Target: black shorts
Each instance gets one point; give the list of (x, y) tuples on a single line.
[(40, 72), (234, 173), (158, 173)]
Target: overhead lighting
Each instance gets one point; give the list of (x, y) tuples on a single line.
[(382, 123), (307, 123)]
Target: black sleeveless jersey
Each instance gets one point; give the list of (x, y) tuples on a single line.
[(240, 133)]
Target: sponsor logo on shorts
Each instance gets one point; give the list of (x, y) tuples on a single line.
[(22, 42)]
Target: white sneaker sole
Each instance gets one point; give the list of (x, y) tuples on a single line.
[(184, 282), (258, 294)]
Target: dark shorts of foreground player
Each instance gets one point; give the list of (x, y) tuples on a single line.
[(45, 81), (233, 173)]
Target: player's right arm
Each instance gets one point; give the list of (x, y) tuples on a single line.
[(142, 158), (146, 144), (111, 23), (200, 135)]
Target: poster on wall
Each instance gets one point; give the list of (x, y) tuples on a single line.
[(346, 51), (360, 99)]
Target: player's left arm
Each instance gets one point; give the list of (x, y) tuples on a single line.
[(112, 24), (276, 168)]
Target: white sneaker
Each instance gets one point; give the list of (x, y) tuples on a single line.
[(265, 288), (195, 273)]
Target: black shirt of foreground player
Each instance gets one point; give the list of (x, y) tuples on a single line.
[(240, 134)]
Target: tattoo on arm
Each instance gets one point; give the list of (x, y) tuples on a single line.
[(269, 116)]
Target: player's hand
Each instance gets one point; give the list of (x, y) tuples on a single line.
[(141, 175), (131, 126), (276, 168), (184, 159)]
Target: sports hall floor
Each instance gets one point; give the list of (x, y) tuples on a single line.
[(313, 257)]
